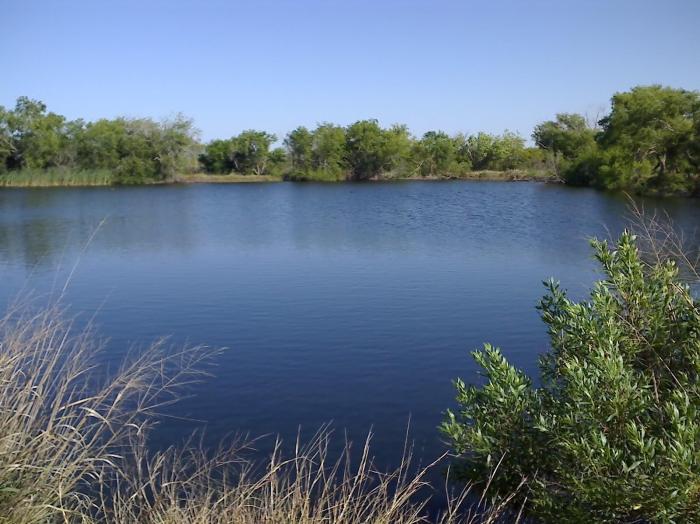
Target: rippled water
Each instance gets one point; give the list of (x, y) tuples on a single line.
[(351, 303)]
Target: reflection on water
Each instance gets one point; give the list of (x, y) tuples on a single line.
[(42, 227)]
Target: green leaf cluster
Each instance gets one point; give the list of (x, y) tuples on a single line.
[(611, 432)]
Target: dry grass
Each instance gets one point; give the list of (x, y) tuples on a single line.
[(73, 448), (659, 239), (511, 175), (181, 486), (205, 178), (60, 425)]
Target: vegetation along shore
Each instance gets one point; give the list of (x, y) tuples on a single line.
[(648, 143)]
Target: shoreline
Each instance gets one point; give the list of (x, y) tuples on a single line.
[(203, 178)]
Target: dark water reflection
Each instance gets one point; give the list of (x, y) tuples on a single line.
[(351, 303)]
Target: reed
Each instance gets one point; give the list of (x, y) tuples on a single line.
[(56, 177), (74, 448)]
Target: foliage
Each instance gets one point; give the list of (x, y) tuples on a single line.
[(133, 150), (36, 136), (246, 154), (328, 151), (299, 144), (436, 154), (612, 433), (317, 155), (6, 140), (570, 145), (365, 151), (649, 143), (217, 157), (250, 152), (484, 151), (568, 135), (276, 162), (653, 140), (397, 144)]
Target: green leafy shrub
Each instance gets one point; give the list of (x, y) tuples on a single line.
[(612, 432)]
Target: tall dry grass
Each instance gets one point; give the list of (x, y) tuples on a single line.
[(64, 419), (74, 448), (660, 239), (181, 486)]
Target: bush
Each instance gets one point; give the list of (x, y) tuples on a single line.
[(316, 175), (612, 432), (585, 169)]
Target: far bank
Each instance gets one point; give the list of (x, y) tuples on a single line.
[(66, 178)]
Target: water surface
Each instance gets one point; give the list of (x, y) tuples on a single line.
[(350, 303)]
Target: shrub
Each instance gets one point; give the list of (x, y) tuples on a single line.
[(612, 432)]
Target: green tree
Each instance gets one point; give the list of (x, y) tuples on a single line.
[(37, 135), (495, 152), (651, 134), (6, 140), (299, 144), (365, 149), (100, 143), (217, 157), (277, 161), (570, 145), (396, 150), (569, 135), (251, 152), (136, 150), (612, 433), (436, 154), (328, 150), (137, 153), (176, 146)]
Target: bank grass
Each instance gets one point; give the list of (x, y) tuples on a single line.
[(233, 178), (510, 175), (74, 447), (56, 178), (100, 177), (306, 486)]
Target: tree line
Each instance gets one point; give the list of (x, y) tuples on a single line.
[(133, 149), (649, 142)]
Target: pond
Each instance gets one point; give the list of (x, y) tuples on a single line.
[(355, 304)]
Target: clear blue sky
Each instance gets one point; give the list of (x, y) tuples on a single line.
[(452, 65)]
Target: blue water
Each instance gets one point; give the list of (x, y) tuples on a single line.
[(351, 303)]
